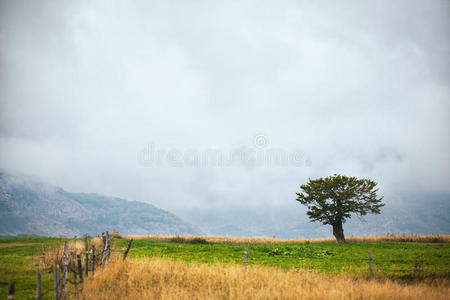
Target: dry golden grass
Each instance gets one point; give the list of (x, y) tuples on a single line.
[(164, 279), (255, 241), (47, 259)]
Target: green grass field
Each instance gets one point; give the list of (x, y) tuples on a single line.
[(19, 258), (18, 263), (389, 259)]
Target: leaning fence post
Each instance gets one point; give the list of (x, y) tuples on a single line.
[(128, 249), (65, 276), (86, 258), (56, 281), (11, 291), (370, 264), (80, 268), (38, 285), (244, 259), (93, 261)]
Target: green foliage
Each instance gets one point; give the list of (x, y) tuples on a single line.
[(336, 197)]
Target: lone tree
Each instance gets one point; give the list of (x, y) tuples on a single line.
[(333, 199)]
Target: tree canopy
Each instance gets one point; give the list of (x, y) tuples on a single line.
[(333, 199)]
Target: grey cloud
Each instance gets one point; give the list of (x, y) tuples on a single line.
[(360, 88)]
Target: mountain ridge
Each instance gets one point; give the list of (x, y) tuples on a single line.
[(31, 206)]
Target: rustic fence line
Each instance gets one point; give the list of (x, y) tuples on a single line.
[(79, 270)]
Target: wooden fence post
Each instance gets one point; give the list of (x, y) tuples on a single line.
[(80, 268), (107, 250), (38, 285), (370, 264), (74, 269), (86, 258), (128, 249), (65, 276), (104, 246), (244, 259), (93, 261), (11, 291), (56, 282)]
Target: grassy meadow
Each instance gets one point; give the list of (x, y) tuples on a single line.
[(19, 260), (410, 267), (390, 259)]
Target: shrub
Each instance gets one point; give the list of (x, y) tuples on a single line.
[(115, 235), (187, 240), (178, 239), (198, 241)]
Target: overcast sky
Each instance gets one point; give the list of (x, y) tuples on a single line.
[(91, 91)]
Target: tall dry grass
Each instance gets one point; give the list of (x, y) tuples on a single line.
[(164, 279), (255, 241), (46, 261)]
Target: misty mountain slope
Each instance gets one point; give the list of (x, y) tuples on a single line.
[(28, 205)]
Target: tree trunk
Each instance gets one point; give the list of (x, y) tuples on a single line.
[(338, 232)]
